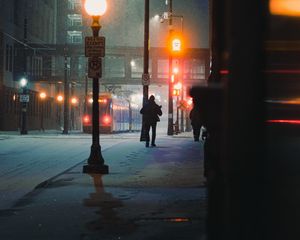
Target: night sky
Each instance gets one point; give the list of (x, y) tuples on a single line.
[(123, 23)]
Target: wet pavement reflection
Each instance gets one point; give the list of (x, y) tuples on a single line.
[(105, 205)]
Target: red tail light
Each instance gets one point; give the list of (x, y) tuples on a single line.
[(106, 119), (287, 121), (86, 119)]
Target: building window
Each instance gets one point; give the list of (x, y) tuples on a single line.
[(74, 20), (10, 58), (7, 57), (162, 68), (115, 67), (194, 69), (74, 4), (136, 66), (74, 37)]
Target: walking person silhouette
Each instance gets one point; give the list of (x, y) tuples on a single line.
[(151, 112)]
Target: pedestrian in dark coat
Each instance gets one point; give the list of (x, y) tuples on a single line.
[(196, 121), (151, 112)]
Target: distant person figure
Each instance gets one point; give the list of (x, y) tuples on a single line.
[(196, 122), (151, 112)]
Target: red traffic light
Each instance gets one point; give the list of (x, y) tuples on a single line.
[(176, 44), (176, 92)]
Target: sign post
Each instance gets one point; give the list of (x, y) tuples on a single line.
[(94, 67), (95, 46), (95, 50)]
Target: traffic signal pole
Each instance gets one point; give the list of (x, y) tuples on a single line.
[(170, 108)]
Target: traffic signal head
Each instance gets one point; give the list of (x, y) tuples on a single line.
[(176, 44), (175, 70)]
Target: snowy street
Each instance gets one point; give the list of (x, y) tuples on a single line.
[(27, 161), (154, 191)]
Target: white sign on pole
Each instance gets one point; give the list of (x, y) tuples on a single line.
[(95, 67), (146, 79), (94, 46), (24, 98)]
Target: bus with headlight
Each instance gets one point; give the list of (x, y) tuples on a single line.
[(116, 114)]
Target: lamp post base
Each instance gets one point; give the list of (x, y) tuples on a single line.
[(95, 168), (23, 132), (95, 161)]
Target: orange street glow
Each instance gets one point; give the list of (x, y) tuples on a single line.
[(42, 95), (60, 98), (74, 100), (178, 86), (285, 7), (293, 101), (172, 78), (103, 100), (179, 220)]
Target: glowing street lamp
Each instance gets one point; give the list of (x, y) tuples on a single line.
[(24, 98), (60, 98), (74, 100), (23, 82), (43, 95), (95, 8)]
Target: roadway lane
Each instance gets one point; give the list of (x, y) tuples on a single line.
[(29, 160)]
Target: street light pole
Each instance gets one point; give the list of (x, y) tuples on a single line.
[(95, 8), (24, 88), (145, 77), (182, 95), (42, 97), (170, 108), (72, 107), (59, 108)]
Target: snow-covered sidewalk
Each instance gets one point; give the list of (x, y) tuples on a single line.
[(149, 193)]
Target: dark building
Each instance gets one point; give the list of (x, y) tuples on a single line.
[(24, 23)]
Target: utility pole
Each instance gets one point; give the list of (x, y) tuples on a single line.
[(145, 77), (66, 93), (170, 108)]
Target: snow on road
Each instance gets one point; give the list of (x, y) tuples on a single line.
[(28, 160)]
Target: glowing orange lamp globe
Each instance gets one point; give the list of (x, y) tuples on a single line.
[(60, 98), (95, 7), (43, 95)]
